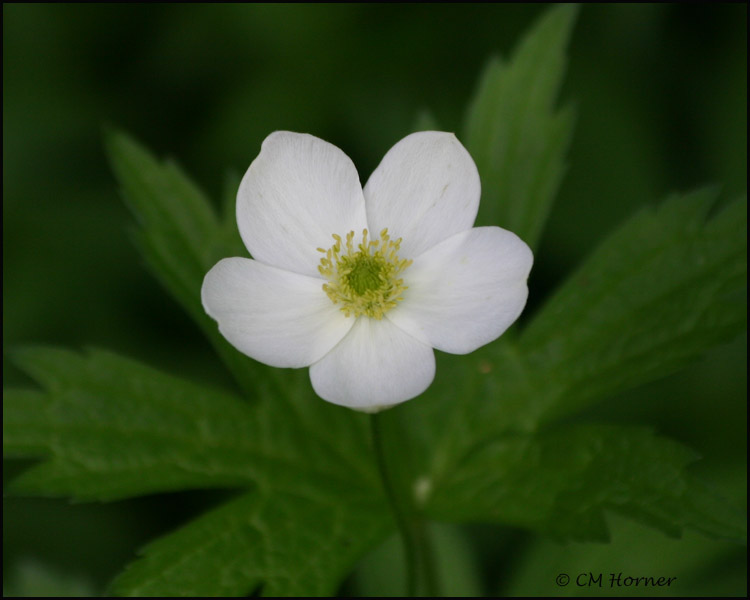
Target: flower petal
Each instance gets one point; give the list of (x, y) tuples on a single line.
[(375, 366), (297, 193), (425, 189), (280, 318), (466, 291)]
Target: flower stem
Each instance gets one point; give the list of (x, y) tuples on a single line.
[(414, 535)]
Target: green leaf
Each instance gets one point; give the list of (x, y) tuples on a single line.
[(300, 541), (658, 293), (662, 290), (180, 237), (107, 427), (516, 135), (112, 428), (561, 482)]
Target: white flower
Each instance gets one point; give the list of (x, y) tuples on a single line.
[(361, 285)]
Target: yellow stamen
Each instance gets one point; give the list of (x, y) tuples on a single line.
[(364, 278)]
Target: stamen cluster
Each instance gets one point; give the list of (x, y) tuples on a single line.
[(364, 279)]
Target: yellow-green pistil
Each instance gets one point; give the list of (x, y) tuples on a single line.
[(364, 279)]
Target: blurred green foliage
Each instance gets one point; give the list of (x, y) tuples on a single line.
[(660, 97)]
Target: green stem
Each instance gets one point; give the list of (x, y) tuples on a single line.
[(429, 574), (413, 530)]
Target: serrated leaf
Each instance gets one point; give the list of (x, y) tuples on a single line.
[(180, 237), (256, 541), (516, 135), (560, 483), (659, 292), (111, 428), (107, 427)]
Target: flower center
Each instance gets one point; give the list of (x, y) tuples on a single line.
[(364, 279)]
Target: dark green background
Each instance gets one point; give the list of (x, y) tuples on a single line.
[(661, 100)]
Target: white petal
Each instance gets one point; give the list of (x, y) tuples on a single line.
[(375, 366), (280, 318), (297, 193), (425, 189), (466, 291)]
